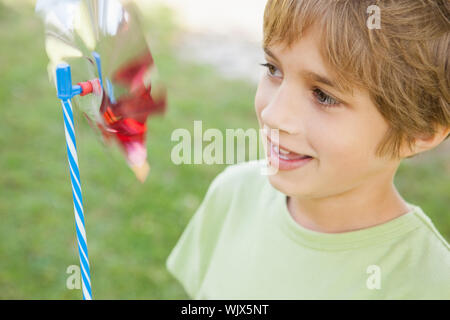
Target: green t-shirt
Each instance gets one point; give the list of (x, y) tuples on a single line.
[(242, 243)]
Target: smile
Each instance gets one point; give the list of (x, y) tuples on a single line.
[(285, 159)]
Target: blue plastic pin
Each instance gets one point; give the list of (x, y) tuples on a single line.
[(66, 91)]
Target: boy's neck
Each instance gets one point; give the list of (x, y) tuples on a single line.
[(362, 207)]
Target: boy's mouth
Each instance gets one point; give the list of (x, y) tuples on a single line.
[(288, 155), (284, 153)]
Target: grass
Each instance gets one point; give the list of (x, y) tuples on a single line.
[(131, 227)]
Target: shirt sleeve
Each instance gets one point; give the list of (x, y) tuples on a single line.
[(189, 260)]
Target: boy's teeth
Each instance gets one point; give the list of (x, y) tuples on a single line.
[(280, 150), (287, 155), (276, 149)]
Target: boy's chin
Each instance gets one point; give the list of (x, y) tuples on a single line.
[(289, 186)]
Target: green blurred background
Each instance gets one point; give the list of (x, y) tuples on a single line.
[(131, 227)]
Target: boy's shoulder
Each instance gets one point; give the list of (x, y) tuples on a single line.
[(238, 183), (244, 175), (428, 259), (434, 248), (429, 228)]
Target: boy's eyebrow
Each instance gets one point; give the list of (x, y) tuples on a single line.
[(269, 53), (310, 75)]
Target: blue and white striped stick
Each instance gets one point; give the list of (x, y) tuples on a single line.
[(65, 92)]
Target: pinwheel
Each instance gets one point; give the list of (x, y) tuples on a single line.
[(100, 60)]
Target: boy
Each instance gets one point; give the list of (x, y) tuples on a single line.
[(350, 102)]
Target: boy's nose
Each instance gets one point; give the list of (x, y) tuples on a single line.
[(278, 114)]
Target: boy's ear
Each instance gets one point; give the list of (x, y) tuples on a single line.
[(424, 143)]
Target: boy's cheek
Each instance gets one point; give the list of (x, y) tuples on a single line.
[(347, 140), (345, 166), (341, 155)]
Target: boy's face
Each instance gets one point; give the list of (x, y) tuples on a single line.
[(340, 131)]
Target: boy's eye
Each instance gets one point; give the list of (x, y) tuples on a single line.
[(321, 97), (271, 69), (324, 99)]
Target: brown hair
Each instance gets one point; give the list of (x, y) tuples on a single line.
[(404, 65)]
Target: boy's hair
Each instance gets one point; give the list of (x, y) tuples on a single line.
[(404, 65)]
